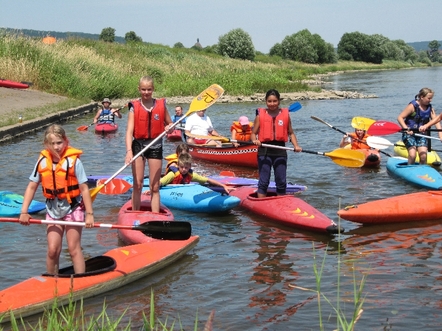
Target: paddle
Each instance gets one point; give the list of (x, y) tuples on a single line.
[(341, 156), (361, 123), (203, 101), (85, 127), (343, 132), (156, 229), (383, 128), (115, 186), (382, 143), (295, 107)]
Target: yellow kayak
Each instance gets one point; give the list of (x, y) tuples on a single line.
[(433, 158)]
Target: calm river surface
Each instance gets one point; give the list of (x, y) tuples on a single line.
[(243, 266)]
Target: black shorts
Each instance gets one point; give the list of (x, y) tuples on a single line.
[(153, 152)]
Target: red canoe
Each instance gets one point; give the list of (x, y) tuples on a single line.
[(12, 84), (104, 273), (286, 209), (127, 216), (243, 156), (420, 206), (103, 128)]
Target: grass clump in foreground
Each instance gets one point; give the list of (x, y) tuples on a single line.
[(83, 68), (69, 318)]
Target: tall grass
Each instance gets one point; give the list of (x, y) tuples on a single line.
[(81, 68)]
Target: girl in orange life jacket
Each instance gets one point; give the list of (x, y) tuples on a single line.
[(106, 115), (273, 126), (147, 119), (418, 114), (64, 184), (183, 174), (241, 130), (357, 140)]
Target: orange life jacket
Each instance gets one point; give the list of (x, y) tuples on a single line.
[(172, 158), (357, 143), (273, 128), (149, 124), (61, 182), (179, 178), (240, 134)]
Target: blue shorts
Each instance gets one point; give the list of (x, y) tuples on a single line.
[(412, 140)]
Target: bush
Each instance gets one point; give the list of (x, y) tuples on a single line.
[(108, 35), (236, 44)]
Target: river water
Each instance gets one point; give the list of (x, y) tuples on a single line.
[(244, 266)]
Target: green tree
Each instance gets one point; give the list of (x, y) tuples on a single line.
[(178, 45), (131, 36), (108, 35), (276, 50), (356, 46), (236, 44), (433, 53)]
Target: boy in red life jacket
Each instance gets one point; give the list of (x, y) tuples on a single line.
[(183, 174), (64, 183), (241, 130)]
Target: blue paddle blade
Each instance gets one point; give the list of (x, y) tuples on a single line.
[(295, 107)]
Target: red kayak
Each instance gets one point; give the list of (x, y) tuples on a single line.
[(103, 128), (243, 156), (372, 157), (286, 209), (420, 206), (12, 84), (104, 273), (175, 135), (126, 216)]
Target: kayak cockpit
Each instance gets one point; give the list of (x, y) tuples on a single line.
[(94, 266)]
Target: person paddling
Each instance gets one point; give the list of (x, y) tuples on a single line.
[(107, 114)]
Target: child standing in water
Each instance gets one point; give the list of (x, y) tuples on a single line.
[(64, 184), (148, 118)]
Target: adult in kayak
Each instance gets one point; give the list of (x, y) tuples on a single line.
[(178, 114), (64, 184), (199, 124), (273, 126), (418, 114), (147, 119), (241, 130), (107, 114)]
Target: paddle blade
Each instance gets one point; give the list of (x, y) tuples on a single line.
[(83, 128), (295, 107), (382, 128), (347, 157), (205, 99), (378, 142), (166, 230), (115, 186), (94, 191), (361, 123)]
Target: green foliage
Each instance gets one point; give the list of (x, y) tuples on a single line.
[(305, 47), (178, 45), (132, 37), (356, 46), (433, 53), (236, 44), (107, 35)]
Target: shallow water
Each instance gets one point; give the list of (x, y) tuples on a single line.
[(243, 266)]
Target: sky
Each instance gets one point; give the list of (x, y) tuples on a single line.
[(266, 21)]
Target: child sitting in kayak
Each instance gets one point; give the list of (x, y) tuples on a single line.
[(183, 174), (358, 139), (241, 130), (107, 114), (172, 159)]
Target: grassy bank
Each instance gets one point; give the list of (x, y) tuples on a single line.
[(90, 70)]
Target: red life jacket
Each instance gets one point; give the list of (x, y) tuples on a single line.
[(61, 182), (179, 178), (273, 128), (240, 134), (149, 124)]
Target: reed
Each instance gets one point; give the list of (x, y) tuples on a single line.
[(80, 68)]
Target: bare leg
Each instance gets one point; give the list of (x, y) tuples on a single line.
[(54, 234), (154, 181), (138, 179), (412, 155), (73, 237), (422, 155)]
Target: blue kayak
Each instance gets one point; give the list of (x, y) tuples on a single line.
[(420, 175), (11, 203)]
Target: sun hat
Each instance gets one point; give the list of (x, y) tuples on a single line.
[(243, 120), (106, 100)]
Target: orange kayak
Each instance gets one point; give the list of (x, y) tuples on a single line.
[(114, 269), (126, 216), (420, 206)]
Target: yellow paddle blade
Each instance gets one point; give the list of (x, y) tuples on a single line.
[(361, 123), (205, 99), (94, 191), (347, 157)]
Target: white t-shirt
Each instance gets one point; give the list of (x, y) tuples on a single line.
[(198, 125)]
